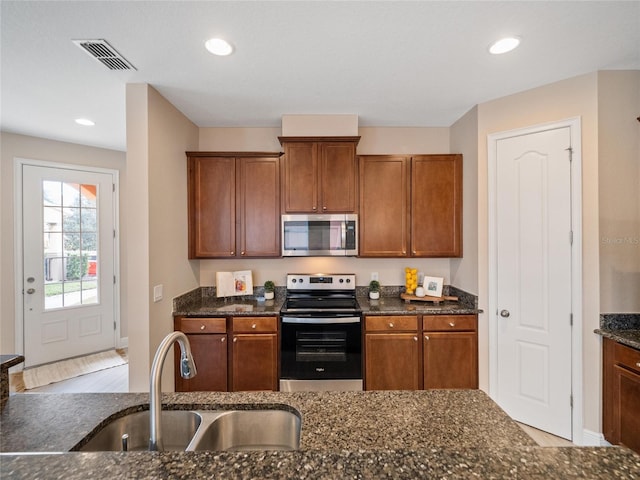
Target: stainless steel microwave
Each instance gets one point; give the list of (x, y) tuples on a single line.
[(318, 235)]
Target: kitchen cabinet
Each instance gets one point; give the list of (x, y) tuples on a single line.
[(392, 353), (234, 204), (319, 174), (621, 394), (410, 206), (450, 351), (208, 340), (254, 353)]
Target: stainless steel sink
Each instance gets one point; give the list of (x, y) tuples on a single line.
[(239, 430), (231, 430), (178, 426)]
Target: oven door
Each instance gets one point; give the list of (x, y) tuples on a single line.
[(317, 347)]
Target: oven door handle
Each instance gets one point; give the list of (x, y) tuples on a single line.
[(320, 321)]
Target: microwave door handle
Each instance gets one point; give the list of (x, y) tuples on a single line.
[(343, 234)]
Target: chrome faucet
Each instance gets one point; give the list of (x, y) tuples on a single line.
[(187, 370)]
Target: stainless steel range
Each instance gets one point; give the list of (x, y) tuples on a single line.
[(321, 334)]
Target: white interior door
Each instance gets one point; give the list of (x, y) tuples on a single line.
[(533, 252), (68, 263)]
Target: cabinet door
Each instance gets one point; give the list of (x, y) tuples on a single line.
[(259, 206), (450, 360), (626, 403), (254, 364), (384, 206), (210, 355), (436, 203), (212, 207), (338, 177), (392, 361), (300, 177)]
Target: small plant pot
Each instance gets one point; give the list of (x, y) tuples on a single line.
[(374, 295), (268, 295)]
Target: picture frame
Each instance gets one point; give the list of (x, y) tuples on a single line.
[(433, 286)]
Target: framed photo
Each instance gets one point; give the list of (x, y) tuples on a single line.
[(433, 286)]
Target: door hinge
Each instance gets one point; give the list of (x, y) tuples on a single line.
[(571, 319), (571, 401), (114, 233), (570, 150), (113, 187), (114, 325), (114, 279), (570, 237)]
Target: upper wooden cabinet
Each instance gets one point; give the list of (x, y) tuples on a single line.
[(234, 204), (410, 206), (319, 174)]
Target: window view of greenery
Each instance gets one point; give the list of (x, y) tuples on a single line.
[(70, 244)]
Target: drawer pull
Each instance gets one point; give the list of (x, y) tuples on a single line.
[(235, 339), (253, 325), (390, 325), (223, 339), (202, 327), (638, 364), (452, 324), (415, 339), (426, 337)]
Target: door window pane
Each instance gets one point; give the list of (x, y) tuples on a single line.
[(70, 243)]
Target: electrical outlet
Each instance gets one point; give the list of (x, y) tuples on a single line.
[(374, 275), (157, 293)]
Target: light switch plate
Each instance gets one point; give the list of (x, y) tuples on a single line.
[(157, 293)]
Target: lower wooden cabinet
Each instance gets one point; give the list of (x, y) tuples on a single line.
[(395, 359), (254, 354), (231, 354), (621, 394), (208, 341)]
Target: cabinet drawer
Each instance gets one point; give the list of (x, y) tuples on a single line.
[(447, 323), (203, 325), (254, 324), (391, 323), (627, 357)]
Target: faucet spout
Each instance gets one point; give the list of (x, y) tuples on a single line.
[(187, 370)]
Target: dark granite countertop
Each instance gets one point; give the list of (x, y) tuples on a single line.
[(8, 361), (621, 327), (630, 338), (434, 433), (397, 306)]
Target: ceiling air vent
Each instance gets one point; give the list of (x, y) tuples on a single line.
[(105, 54)]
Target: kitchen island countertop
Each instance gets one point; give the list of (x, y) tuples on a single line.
[(443, 433)]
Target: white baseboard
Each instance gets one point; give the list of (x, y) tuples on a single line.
[(593, 439)]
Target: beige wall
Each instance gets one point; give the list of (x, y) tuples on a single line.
[(32, 148), (619, 190), (576, 97), (157, 137), (373, 141)]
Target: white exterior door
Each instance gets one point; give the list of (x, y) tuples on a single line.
[(68, 250), (533, 275)]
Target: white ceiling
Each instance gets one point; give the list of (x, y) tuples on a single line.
[(402, 63)]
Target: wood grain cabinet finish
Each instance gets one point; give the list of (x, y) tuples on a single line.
[(450, 351), (234, 204), (319, 174), (254, 353), (395, 359), (208, 340), (392, 353), (410, 206), (621, 394)]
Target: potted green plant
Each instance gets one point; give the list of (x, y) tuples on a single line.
[(374, 289), (269, 289)]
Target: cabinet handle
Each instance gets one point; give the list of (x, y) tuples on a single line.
[(324, 208), (426, 337), (253, 326), (452, 324), (242, 253), (223, 339), (390, 325), (415, 339), (414, 252), (233, 253), (202, 327), (235, 339), (638, 364)]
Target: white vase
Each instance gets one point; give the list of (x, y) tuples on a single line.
[(268, 295), (374, 295)]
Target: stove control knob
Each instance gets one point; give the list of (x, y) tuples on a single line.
[(294, 280), (342, 280), (300, 280), (348, 280)]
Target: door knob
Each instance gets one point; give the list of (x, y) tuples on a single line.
[(504, 313), (31, 291)]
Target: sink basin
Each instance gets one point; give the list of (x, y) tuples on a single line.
[(178, 428), (239, 430), (231, 430)]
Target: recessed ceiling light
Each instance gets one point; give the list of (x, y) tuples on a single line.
[(85, 121), (218, 46), (504, 45)]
